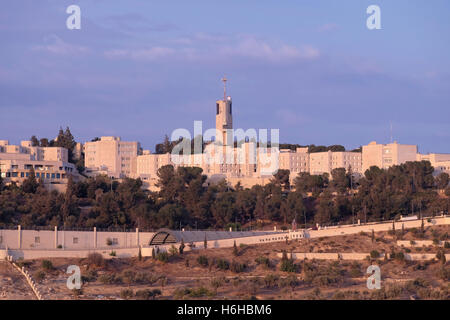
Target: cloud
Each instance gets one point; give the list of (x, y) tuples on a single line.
[(55, 45), (255, 48), (143, 54), (199, 47), (328, 27)]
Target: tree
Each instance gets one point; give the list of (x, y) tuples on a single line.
[(205, 242), (235, 249), (34, 141), (66, 140), (182, 246), (30, 185), (442, 180), (281, 179)]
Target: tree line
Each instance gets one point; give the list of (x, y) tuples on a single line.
[(185, 200)]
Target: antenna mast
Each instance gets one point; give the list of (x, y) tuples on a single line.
[(224, 80)]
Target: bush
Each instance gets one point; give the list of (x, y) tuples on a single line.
[(271, 280), (203, 261), (264, 261), (192, 292), (374, 254), (290, 281), (237, 267), (39, 275), (173, 250), (147, 294), (447, 245), (223, 264), (162, 256), (90, 276), (47, 265), (287, 265), (110, 279), (95, 259), (112, 253), (126, 293)]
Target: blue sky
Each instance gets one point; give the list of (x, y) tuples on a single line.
[(140, 69)]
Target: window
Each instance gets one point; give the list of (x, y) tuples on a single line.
[(217, 106), (37, 240), (75, 240), (231, 112), (115, 241)]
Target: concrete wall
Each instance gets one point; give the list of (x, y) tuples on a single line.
[(419, 243), (58, 253), (354, 256), (377, 227), (46, 239)]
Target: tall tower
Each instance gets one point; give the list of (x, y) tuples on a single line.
[(224, 119)]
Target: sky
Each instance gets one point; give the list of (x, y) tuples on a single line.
[(140, 69)]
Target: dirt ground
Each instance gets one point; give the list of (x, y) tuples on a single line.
[(13, 285), (248, 272)]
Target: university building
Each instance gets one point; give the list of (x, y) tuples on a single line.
[(50, 164)]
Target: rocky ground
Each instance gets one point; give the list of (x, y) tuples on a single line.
[(13, 285), (249, 272)]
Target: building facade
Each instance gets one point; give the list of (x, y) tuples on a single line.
[(50, 164), (111, 156)]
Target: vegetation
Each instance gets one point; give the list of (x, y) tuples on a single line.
[(184, 198)]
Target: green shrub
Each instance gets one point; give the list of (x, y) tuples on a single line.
[(39, 275), (147, 294), (287, 265), (47, 265), (110, 279), (264, 261), (447, 245), (271, 280), (126, 293), (89, 276), (223, 264), (95, 259), (374, 254), (173, 250), (203, 261), (237, 267), (162, 256), (112, 253)]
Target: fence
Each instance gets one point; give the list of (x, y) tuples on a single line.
[(28, 277)]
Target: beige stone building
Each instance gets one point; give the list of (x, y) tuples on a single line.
[(325, 162), (50, 164), (386, 155), (111, 156)]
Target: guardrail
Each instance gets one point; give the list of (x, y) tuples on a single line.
[(28, 277)]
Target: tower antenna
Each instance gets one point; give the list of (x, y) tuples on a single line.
[(224, 80)]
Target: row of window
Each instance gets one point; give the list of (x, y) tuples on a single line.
[(39, 175)]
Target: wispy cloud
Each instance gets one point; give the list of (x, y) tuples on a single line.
[(199, 47), (328, 27), (152, 53), (55, 45)]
